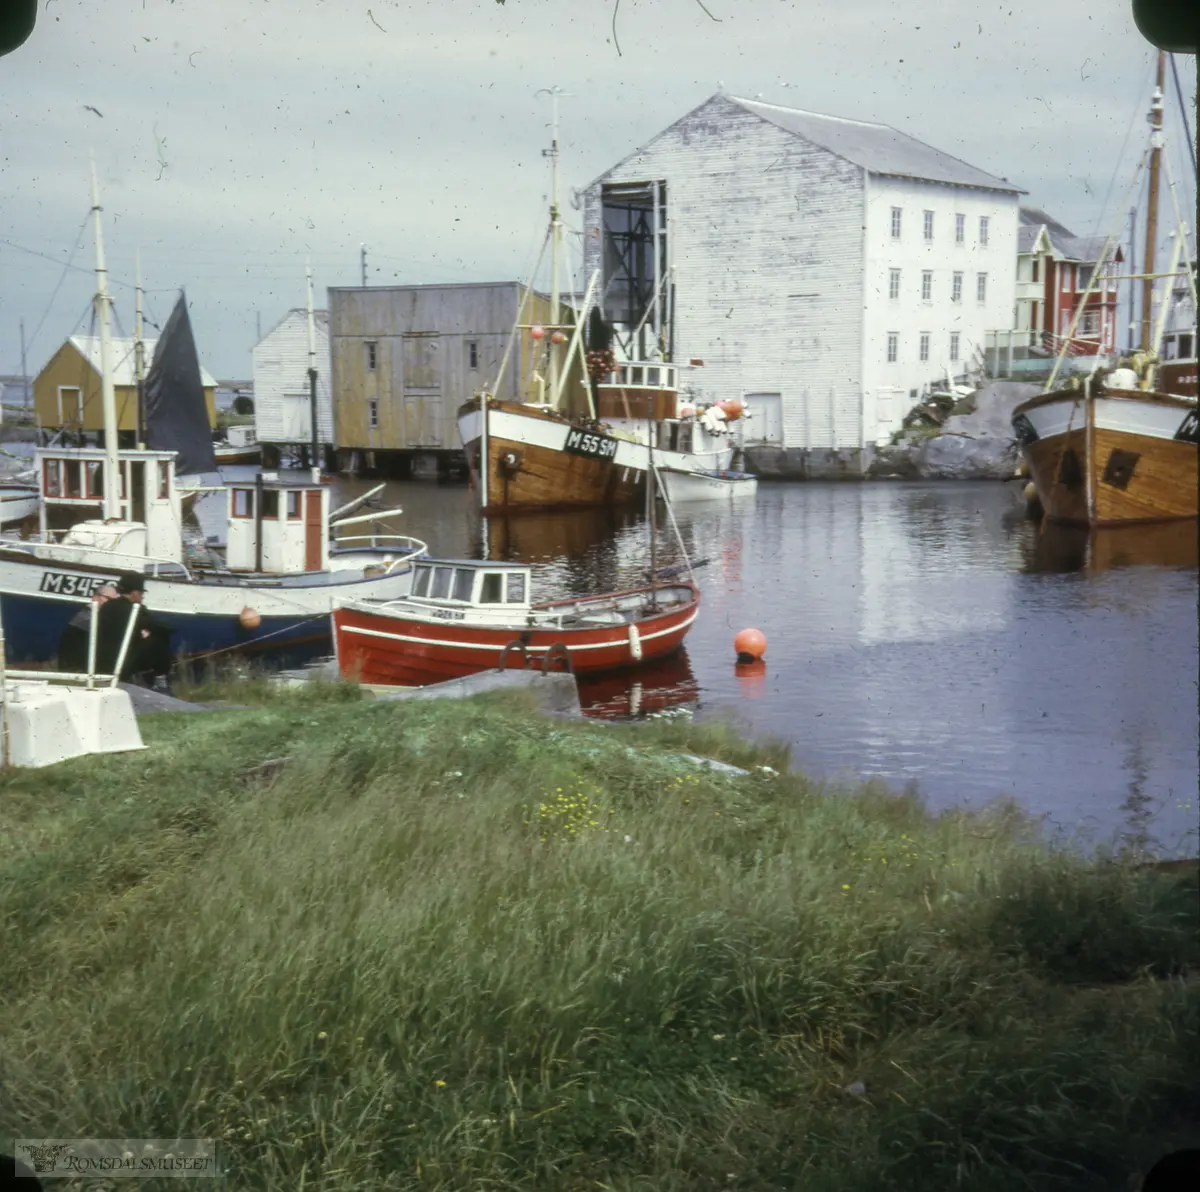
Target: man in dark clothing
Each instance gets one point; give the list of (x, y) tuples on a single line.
[(148, 659), (73, 645)]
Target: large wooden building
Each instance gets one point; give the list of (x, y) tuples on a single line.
[(404, 358), (825, 270), (66, 393)]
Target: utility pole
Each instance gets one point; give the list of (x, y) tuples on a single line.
[(25, 394), (258, 326), (362, 263), (108, 399), (1156, 143), (312, 377)]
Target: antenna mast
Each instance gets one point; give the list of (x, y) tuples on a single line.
[(108, 397), (1156, 142), (139, 350), (555, 232)]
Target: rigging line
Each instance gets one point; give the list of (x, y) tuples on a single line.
[(1102, 215), (62, 277), (1183, 114)]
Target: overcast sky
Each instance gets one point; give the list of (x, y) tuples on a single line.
[(235, 138)]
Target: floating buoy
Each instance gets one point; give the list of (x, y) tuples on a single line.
[(249, 618), (558, 337), (750, 645), (537, 331)]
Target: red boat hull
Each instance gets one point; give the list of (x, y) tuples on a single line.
[(403, 651)]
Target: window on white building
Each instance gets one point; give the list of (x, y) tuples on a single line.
[(926, 285), (895, 223), (928, 225), (924, 345), (954, 345), (893, 284), (893, 346), (956, 288), (960, 228), (983, 231), (981, 287), (372, 355), (472, 354), (373, 413)]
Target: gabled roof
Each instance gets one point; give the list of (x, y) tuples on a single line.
[(320, 320), (877, 148), (1064, 244), (88, 346)]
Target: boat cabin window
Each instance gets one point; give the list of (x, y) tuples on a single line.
[(95, 478), (635, 376), (420, 585), (52, 483), (243, 502), (441, 582), (464, 581), (491, 591), (164, 480), (652, 376), (516, 588), (293, 512), (271, 503), (72, 469)]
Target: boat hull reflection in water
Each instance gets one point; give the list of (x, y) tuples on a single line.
[(1061, 547), (662, 686)]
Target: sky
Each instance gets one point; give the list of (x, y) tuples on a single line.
[(235, 140)]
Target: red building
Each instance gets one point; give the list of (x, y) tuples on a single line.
[(1054, 280)]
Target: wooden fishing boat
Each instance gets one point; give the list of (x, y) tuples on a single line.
[(464, 617), (240, 448), (1121, 447)]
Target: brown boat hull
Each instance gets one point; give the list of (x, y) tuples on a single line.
[(1111, 460)]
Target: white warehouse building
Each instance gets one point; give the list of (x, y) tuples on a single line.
[(825, 270), (282, 402)]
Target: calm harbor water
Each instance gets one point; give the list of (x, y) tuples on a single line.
[(916, 632)]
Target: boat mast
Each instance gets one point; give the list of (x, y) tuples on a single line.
[(139, 350), (312, 376), (1156, 141), (108, 397), (555, 235)]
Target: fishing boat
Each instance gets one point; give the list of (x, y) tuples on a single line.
[(274, 588), (1121, 446), (240, 448), (462, 617), (686, 485), (586, 440), (17, 502)]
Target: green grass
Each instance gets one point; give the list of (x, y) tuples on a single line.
[(455, 946)]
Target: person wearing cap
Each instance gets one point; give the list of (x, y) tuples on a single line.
[(73, 645), (147, 661)]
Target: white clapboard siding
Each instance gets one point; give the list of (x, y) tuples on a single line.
[(780, 249), (281, 389)]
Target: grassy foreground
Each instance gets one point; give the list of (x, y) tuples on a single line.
[(453, 946)]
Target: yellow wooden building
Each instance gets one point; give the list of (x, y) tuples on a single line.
[(66, 393)]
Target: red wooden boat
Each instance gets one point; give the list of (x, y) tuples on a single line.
[(461, 617)]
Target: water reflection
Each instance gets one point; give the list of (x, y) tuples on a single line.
[(661, 686), (1059, 548)]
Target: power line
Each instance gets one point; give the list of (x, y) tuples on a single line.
[(61, 279)]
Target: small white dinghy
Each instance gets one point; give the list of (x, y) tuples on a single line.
[(48, 717), (685, 485)]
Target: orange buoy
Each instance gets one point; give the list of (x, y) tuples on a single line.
[(249, 618), (558, 337), (732, 407), (750, 645), (537, 331)]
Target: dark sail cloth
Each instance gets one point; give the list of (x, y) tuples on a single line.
[(147, 656), (73, 644), (174, 405)]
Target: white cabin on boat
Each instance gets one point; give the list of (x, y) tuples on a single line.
[(278, 525), (151, 521), (454, 584)]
